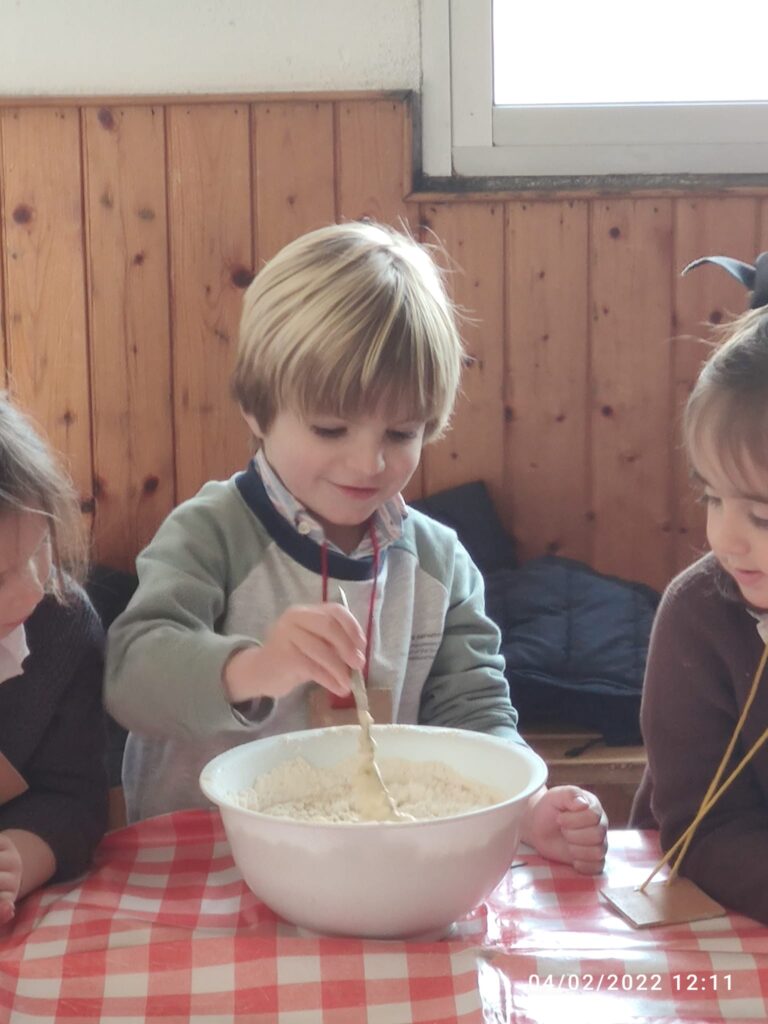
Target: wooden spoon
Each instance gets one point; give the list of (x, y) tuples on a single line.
[(374, 800)]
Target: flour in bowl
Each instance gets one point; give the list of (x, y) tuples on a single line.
[(429, 789)]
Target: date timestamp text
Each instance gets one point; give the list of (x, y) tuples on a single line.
[(689, 982)]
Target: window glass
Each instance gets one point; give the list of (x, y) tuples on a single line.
[(604, 51)]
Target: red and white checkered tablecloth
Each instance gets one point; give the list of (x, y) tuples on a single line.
[(163, 929)]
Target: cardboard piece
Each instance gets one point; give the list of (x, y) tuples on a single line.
[(660, 903)]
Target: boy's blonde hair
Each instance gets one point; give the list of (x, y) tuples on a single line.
[(343, 319), (727, 411), (31, 480)]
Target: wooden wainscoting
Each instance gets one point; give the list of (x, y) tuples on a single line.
[(131, 227)]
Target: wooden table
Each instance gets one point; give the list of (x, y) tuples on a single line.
[(164, 930)]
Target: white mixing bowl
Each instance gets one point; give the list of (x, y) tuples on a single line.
[(384, 881)]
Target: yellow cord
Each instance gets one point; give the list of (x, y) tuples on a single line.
[(714, 793), (709, 800)]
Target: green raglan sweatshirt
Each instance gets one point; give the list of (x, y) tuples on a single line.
[(220, 571)]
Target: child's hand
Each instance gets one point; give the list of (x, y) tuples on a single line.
[(10, 878), (318, 642), (569, 824)]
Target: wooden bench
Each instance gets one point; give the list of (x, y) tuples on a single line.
[(579, 757)]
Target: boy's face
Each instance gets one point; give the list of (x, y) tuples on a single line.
[(343, 470), (737, 527)]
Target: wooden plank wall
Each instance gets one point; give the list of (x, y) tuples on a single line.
[(129, 231)]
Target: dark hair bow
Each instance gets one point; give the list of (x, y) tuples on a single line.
[(755, 279)]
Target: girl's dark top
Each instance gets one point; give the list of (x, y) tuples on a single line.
[(52, 732), (704, 651)]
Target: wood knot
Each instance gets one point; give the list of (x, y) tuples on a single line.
[(22, 214), (106, 119), (241, 277)]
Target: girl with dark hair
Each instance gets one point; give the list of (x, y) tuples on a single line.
[(705, 705), (53, 783)]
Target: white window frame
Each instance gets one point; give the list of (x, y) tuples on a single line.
[(462, 133)]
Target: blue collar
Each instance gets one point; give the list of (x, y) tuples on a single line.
[(302, 549)]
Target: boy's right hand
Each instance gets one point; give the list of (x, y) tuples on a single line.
[(10, 878), (322, 643)]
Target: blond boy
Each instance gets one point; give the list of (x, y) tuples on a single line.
[(349, 362)]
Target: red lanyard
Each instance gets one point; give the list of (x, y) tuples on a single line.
[(349, 700)]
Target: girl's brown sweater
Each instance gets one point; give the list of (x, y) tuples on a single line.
[(704, 651)]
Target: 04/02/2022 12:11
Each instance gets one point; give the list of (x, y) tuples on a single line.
[(627, 982)]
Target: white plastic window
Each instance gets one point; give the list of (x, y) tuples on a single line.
[(567, 89)]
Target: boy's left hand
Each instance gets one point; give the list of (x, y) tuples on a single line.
[(569, 824)]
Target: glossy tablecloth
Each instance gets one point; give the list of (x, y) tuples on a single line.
[(163, 929)]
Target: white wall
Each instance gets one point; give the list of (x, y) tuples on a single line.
[(106, 47)]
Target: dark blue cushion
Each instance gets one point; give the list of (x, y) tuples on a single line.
[(575, 643), (110, 590), (468, 509)]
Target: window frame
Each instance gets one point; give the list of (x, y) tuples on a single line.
[(464, 135)]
